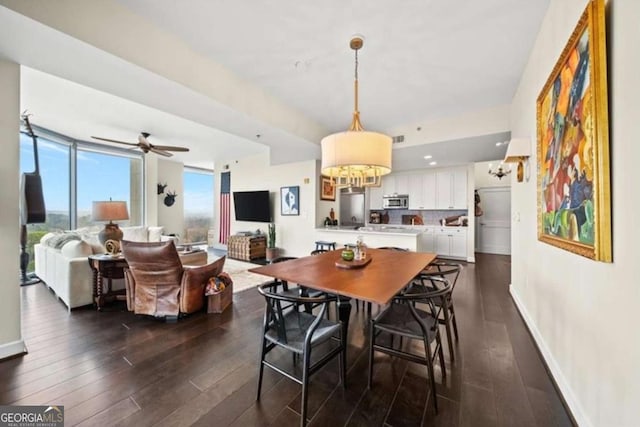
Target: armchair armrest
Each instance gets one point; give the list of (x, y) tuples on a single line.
[(194, 280)]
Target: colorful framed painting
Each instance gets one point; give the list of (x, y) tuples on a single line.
[(573, 144), (290, 200), (327, 189)]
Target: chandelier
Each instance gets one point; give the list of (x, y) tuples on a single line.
[(500, 172), (356, 158)]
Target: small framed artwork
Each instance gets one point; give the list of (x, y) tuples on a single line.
[(290, 200), (327, 191), (574, 210)]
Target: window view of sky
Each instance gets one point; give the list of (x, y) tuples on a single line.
[(198, 193)]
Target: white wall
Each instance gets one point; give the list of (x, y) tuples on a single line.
[(10, 328), (585, 314), (170, 217), (294, 234)]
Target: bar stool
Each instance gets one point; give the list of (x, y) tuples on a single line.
[(329, 246)]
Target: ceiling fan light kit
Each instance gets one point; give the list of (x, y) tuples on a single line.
[(144, 145), (356, 158)]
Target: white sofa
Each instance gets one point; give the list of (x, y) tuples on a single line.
[(61, 260)]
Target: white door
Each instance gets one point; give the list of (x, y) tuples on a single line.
[(494, 225)]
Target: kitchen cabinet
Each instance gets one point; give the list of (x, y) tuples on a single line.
[(422, 191), (451, 189), (388, 184), (402, 184), (375, 197), (426, 241), (451, 242)]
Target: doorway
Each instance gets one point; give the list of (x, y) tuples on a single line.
[(493, 227)]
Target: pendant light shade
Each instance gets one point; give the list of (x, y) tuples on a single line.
[(355, 157)]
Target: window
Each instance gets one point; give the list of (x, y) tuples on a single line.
[(103, 176), (198, 205), (101, 173)]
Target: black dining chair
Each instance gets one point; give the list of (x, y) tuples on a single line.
[(301, 333), (450, 271), (404, 319), (298, 290)]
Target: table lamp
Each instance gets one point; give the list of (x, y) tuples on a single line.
[(109, 211)]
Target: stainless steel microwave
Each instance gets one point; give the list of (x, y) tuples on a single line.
[(396, 201)]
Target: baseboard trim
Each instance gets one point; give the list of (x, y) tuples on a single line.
[(12, 349), (572, 404)]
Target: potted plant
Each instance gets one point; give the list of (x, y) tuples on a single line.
[(272, 251)]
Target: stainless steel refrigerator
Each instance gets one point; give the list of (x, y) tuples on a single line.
[(352, 208)]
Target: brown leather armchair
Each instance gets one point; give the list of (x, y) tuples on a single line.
[(157, 284)]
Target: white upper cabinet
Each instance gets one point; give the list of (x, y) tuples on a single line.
[(375, 197), (451, 189), (402, 184), (429, 190), (388, 184), (415, 192)]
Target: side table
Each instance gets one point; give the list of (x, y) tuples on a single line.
[(105, 269)]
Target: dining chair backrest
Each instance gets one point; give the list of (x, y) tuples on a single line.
[(449, 270), (275, 312), (394, 248), (440, 288), (318, 251), (282, 259)]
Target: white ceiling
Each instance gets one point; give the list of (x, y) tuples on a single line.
[(422, 60)]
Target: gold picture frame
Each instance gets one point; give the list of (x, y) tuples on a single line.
[(573, 144), (327, 189)]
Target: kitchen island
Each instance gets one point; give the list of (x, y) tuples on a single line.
[(374, 237)]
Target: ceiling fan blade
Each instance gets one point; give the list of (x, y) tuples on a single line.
[(113, 140), (170, 148), (162, 153)]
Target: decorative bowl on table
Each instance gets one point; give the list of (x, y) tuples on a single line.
[(347, 255)]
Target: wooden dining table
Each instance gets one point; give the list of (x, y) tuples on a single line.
[(387, 274)]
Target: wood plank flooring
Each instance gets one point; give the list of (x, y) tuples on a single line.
[(116, 368)]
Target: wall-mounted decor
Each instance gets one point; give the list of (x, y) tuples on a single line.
[(170, 198), (327, 189), (573, 144), (290, 200)]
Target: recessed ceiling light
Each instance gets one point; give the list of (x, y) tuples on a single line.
[(433, 163), (498, 144), (428, 157)]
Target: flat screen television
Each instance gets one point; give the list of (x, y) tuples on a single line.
[(252, 206)]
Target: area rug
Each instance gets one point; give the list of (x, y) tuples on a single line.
[(242, 279)]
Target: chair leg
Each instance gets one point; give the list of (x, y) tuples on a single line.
[(372, 341), (342, 361), (453, 320), (305, 386), (441, 355), (262, 355), (447, 326), (369, 308), (432, 378)]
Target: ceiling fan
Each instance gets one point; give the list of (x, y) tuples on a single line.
[(144, 145)]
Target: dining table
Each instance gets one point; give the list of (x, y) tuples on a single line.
[(377, 281)]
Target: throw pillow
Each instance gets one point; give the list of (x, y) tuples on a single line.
[(76, 249), (59, 240), (155, 233), (134, 234)]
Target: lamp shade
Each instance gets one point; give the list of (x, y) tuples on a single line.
[(356, 155), (519, 148), (109, 211)]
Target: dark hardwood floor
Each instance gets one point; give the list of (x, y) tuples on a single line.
[(116, 368)]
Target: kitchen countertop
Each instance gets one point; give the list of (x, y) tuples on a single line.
[(387, 230)]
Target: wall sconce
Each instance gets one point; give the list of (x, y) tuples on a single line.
[(500, 172), (519, 151)]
